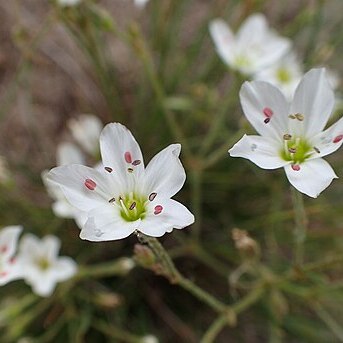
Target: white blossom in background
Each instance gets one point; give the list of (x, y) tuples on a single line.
[(291, 134), (86, 130), (124, 196), (67, 3), (149, 339), (9, 268), (284, 74), (41, 266), (140, 3), (67, 153), (254, 47)]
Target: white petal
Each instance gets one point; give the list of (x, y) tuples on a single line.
[(141, 3), (63, 269), (253, 28), (120, 151), (72, 180), (259, 150), (68, 153), (28, 246), (258, 98), (223, 39), (63, 209), (86, 130), (165, 174), (9, 239), (314, 99), (173, 215), (329, 140), (50, 246), (312, 178), (106, 224), (43, 287)]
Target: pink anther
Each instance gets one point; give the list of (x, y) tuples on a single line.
[(90, 184), (158, 209), (128, 157)]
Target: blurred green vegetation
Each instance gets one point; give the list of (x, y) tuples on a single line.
[(156, 71)]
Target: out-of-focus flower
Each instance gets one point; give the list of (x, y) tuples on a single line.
[(285, 74), (9, 268), (41, 266), (66, 3), (254, 47), (149, 339), (140, 3), (86, 130), (67, 153), (292, 134), (124, 196)]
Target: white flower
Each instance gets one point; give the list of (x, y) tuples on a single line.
[(285, 74), (124, 196), (9, 268), (149, 339), (41, 266), (86, 130), (140, 3), (254, 47), (67, 3), (292, 134), (67, 153)]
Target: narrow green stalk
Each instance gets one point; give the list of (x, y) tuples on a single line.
[(300, 226), (214, 330), (196, 191), (335, 327)]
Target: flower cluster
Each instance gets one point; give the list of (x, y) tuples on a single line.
[(36, 261)]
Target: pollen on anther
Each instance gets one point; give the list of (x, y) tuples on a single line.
[(132, 206), (158, 209), (128, 157), (292, 150), (112, 200), (130, 170), (266, 121), (338, 138), (152, 196), (136, 162), (90, 184), (295, 167), (287, 136), (109, 169), (268, 112), (316, 150)]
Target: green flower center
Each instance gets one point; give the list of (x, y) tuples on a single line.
[(43, 263), (283, 75), (296, 149), (133, 207), (242, 61)]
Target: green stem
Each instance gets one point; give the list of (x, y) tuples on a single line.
[(214, 330), (196, 190), (300, 226)]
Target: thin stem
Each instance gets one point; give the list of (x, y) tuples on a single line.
[(300, 226), (214, 330), (196, 189)]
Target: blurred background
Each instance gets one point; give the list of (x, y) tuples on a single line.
[(155, 69)]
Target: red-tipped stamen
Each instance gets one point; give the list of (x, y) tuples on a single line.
[(128, 157), (268, 112), (338, 138), (295, 167), (90, 184), (158, 209)]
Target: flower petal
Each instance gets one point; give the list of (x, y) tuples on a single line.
[(260, 150), (121, 152), (72, 181), (106, 224), (223, 39), (165, 174), (329, 140), (50, 246), (64, 268), (8, 240), (312, 178), (172, 216), (315, 100), (68, 153), (265, 107)]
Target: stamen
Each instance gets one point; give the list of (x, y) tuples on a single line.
[(316, 150), (287, 137), (3, 249), (130, 170), (158, 209), (128, 157), (133, 205), (268, 112), (152, 196), (295, 167), (136, 162), (292, 150), (123, 206), (90, 184), (112, 200), (3, 274), (299, 116), (292, 116), (266, 121), (12, 260), (337, 139), (109, 169)]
